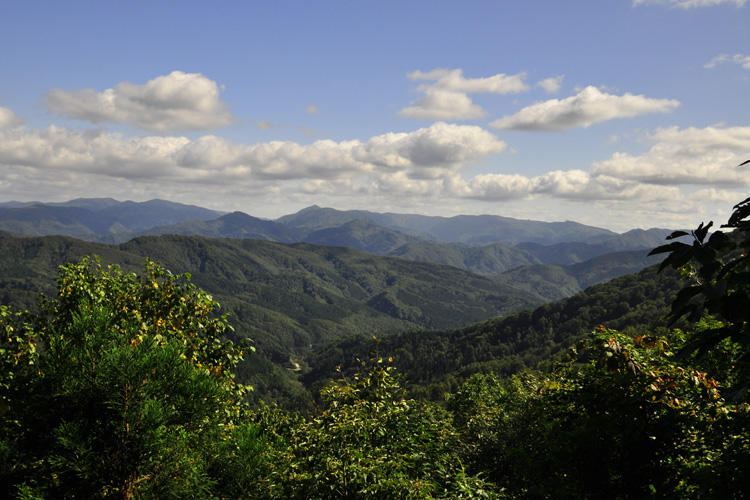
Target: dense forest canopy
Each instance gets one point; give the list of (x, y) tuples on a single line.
[(124, 385)]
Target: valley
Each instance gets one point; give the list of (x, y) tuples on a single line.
[(302, 285)]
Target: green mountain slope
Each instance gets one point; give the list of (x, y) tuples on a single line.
[(290, 299), (436, 362), (550, 282), (487, 260)]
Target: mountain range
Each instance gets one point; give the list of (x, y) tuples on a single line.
[(482, 244), (301, 285)]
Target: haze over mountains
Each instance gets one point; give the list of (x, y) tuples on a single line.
[(111, 221)]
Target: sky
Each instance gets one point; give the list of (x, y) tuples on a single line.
[(620, 114)]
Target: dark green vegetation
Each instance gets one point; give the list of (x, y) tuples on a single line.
[(437, 362), (123, 385), (288, 299)]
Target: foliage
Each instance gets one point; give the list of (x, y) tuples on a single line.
[(624, 421), (116, 388), (438, 362), (290, 299), (370, 441), (720, 283)]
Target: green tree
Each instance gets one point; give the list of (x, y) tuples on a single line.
[(621, 420), (370, 441), (118, 388), (717, 267)]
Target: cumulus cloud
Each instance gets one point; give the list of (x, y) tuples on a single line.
[(706, 157), (740, 59), (213, 160), (447, 98), (174, 102), (8, 118), (441, 104), (440, 146), (551, 85), (576, 185), (589, 106), (689, 4), (453, 79), (312, 109)]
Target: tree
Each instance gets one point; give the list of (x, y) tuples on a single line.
[(370, 441), (717, 267), (116, 388), (621, 419)]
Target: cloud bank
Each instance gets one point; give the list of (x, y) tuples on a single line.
[(174, 102), (425, 153)]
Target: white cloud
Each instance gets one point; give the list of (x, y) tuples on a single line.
[(447, 98), (441, 104), (740, 59), (688, 4), (453, 79), (8, 118), (312, 109), (424, 153), (706, 157), (576, 185), (712, 195), (178, 101), (442, 146), (582, 110), (551, 85)]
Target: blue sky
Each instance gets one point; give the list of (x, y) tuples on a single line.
[(618, 114)]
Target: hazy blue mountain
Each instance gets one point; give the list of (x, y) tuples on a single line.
[(39, 220), (237, 225), (88, 218), (485, 229), (469, 229), (315, 218), (363, 235), (90, 203), (574, 252), (479, 244), (138, 216)]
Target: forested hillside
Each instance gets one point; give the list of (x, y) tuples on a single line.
[(437, 362), (290, 299), (121, 385)]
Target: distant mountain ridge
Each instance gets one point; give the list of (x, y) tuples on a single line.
[(469, 229), (95, 218), (488, 245)]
